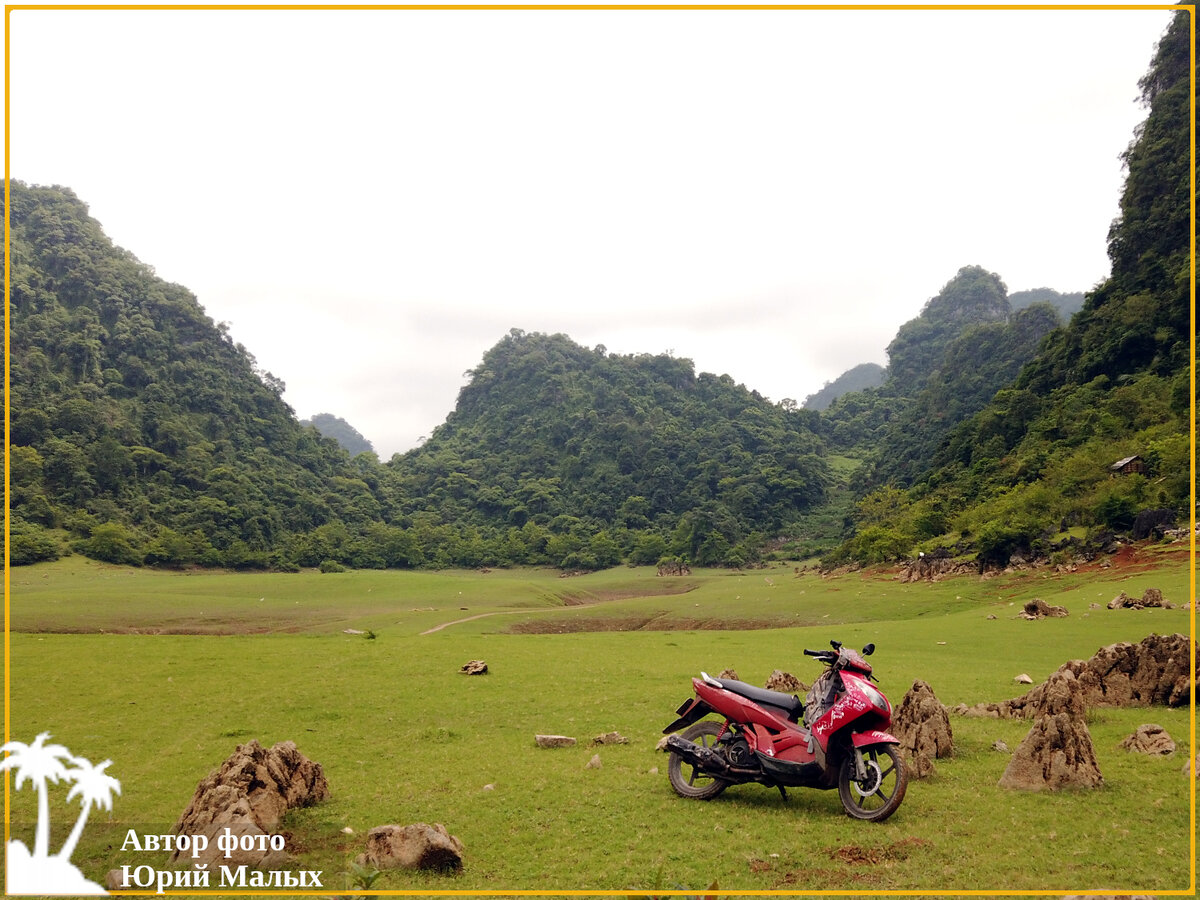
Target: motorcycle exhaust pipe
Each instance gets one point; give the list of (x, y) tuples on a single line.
[(698, 755)]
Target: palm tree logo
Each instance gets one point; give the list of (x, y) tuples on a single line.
[(42, 764)]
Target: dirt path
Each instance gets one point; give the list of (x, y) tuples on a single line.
[(573, 603), (502, 612)]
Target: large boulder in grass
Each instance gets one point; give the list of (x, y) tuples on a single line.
[(418, 846), (923, 727), (249, 795), (1057, 753)]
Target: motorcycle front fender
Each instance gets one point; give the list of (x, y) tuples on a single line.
[(692, 710), (867, 738)]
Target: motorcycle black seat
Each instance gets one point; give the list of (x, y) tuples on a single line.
[(792, 706)]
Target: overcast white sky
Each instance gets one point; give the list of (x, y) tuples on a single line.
[(372, 199)]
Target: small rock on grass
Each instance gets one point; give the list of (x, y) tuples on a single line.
[(554, 740)]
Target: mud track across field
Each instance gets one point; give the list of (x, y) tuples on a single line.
[(581, 600), (661, 621)]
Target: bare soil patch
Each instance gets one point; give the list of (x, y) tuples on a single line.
[(646, 622), (854, 855)]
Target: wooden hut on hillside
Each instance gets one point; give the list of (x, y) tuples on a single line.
[(1128, 466)]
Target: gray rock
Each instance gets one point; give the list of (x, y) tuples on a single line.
[(554, 740), (1149, 739), (418, 846)]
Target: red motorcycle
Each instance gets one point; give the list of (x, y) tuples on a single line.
[(836, 738)]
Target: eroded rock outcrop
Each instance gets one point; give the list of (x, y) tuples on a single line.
[(249, 795), (934, 567), (1152, 740), (1152, 597), (785, 682), (923, 727), (1152, 672), (1057, 753)]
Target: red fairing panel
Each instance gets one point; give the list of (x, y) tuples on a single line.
[(842, 713), (864, 738)]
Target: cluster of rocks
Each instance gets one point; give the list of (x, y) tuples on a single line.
[(934, 567), (1057, 752), (250, 793), (1155, 671), (474, 667), (1152, 597)]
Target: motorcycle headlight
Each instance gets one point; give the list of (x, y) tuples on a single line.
[(877, 699)]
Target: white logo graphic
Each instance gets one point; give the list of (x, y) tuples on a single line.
[(41, 763)]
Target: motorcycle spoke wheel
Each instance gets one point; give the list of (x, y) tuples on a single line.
[(879, 795), (691, 781)]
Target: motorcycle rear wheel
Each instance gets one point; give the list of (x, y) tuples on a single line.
[(880, 794), (691, 781)]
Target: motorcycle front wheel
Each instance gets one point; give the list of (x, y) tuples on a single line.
[(689, 780), (879, 794)]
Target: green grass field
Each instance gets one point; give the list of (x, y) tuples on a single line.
[(166, 673)]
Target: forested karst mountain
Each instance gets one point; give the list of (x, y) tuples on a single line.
[(944, 365), (347, 436), (1115, 382), (138, 427), (858, 378), (1065, 304), (551, 433)]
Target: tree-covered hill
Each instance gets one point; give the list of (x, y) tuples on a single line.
[(1035, 462), (347, 436), (943, 366), (139, 430), (598, 446), (141, 433), (1065, 304), (858, 378)]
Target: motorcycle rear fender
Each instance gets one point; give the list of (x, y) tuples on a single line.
[(692, 710), (867, 738)]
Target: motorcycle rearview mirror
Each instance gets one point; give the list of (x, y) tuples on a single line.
[(868, 650), (836, 645)]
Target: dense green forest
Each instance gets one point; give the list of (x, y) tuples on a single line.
[(142, 434)]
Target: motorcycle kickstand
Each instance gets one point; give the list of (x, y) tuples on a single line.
[(782, 792)]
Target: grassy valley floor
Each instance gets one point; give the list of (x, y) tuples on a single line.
[(166, 673)]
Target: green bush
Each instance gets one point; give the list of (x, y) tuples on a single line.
[(29, 543), (112, 542)]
